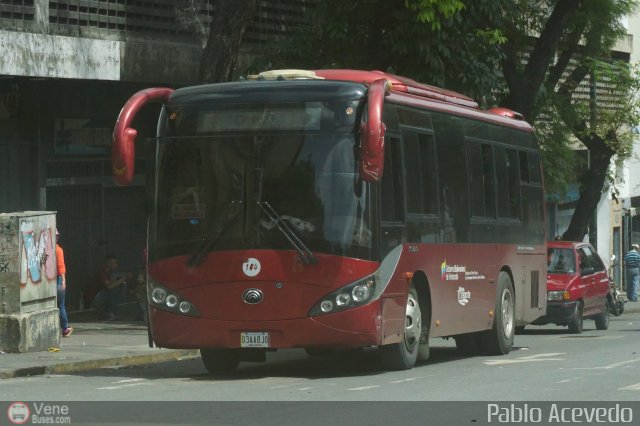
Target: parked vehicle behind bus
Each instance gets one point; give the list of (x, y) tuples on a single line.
[(338, 209), (578, 286)]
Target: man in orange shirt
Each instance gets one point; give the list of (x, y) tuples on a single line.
[(62, 285)]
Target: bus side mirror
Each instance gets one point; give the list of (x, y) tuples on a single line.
[(124, 137), (371, 163)]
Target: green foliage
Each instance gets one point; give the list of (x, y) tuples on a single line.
[(433, 11), (487, 50), (452, 43)]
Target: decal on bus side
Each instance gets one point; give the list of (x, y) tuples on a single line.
[(454, 272), (463, 296)]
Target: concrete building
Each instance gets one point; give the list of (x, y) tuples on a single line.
[(66, 69)]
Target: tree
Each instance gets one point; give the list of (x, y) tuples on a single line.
[(447, 43), (545, 79), (526, 55), (221, 38)]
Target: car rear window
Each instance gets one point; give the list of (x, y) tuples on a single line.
[(561, 261)]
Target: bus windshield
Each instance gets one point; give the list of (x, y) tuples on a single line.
[(213, 192)]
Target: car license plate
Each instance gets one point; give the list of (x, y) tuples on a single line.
[(254, 339)]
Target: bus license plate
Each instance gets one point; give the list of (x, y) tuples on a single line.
[(254, 339)]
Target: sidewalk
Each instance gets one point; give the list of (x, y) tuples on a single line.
[(93, 344)]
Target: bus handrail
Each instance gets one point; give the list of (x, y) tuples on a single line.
[(123, 147)]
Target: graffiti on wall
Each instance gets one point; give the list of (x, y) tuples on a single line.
[(37, 254)]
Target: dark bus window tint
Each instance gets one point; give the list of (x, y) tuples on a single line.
[(391, 188), (415, 118), (476, 181), (429, 173), (420, 173), (513, 183), (534, 168), (481, 179), (524, 166), (488, 180), (502, 181), (390, 116), (413, 173)]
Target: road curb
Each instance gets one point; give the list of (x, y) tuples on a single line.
[(121, 361)]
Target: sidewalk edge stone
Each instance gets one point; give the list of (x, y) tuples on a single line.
[(120, 361)]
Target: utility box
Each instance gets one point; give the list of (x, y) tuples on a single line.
[(29, 319)]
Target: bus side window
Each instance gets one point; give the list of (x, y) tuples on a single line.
[(391, 184), (421, 173), (508, 181), (391, 199), (481, 179)]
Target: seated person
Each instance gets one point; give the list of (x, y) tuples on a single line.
[(113, 289)]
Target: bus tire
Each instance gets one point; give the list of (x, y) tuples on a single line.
[(499, 339), (404, 354), (220, 361)]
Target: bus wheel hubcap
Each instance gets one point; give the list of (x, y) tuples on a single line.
[(507, 313), (413, 323)]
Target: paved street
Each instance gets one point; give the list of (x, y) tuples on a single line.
[(547, 363)]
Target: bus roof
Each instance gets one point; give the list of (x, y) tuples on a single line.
[(400, 84), (448, 100)]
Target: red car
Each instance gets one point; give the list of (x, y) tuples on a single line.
[(577, 286)]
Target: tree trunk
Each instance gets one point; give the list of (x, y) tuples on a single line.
[(591, 184), (228, 26)]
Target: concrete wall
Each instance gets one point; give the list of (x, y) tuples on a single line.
[(55, 56)]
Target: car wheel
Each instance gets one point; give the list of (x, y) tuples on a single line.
[(602, 320), (220, 361), (499, 339), (403, 355), (575, 326)]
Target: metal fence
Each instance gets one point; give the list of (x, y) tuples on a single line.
[(94, 218)]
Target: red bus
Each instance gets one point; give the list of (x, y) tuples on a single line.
[(338, 209)]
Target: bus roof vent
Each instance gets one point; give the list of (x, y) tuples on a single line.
[(285, 75), (506, 113)]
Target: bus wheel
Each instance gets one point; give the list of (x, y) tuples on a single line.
[(403, 355), (220, 361), (499, 339)]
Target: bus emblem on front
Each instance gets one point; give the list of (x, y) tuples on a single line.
[(252, 296), (251, 267)]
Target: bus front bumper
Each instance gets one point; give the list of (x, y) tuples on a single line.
[(358, 327)]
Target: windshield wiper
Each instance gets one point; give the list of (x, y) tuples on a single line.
[(306, 256), (210, 240)]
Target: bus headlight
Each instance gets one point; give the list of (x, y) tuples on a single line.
[(158, 295), (171, 301), (350, 296), (162, 298)]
